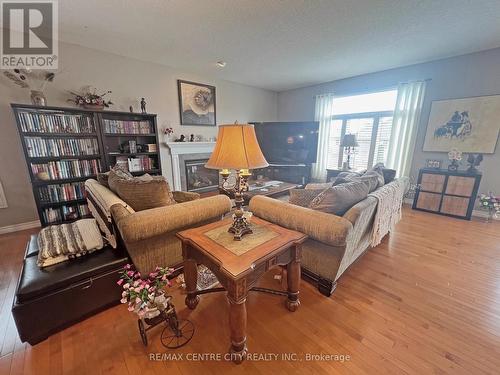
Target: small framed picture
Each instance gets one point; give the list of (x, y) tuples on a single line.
[(433, 163), (196, 103)]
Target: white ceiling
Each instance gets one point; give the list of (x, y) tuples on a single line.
[(282, 44)]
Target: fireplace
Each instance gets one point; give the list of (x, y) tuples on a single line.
[(185, 153), (198, 178)]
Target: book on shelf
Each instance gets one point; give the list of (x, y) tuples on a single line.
[(122, 162), (56, 122), (65, 213), (83, 210), (128, 127), (61, 192), (62, 169), (51, 215), (46, 147), (140, 163)]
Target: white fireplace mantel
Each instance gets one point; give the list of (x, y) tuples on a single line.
[(180, 148)]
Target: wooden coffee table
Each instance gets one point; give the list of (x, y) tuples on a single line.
[(238, 265)]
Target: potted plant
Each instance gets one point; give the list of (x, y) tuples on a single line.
[(90, 99), (168, 134), (144, 296), (491, 203), (148, 299)]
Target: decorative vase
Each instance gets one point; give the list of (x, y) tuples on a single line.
[(453, 166), (94, 107), (37, 98), (491, 214)]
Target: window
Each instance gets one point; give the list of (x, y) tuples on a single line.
[(369, 117)]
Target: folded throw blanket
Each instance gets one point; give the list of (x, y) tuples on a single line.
[(58, 243), (388, 214)]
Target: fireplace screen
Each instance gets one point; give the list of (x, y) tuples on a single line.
[(199, 178)]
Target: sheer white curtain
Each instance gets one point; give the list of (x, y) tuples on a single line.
[(323, 113), (404, 126)]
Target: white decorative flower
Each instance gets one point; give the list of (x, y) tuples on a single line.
[(455, 154)]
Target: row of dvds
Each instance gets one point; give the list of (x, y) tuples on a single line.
[(56, 170), (127, 127), (43, 147), (63, 213), (62, 192), (56, 123)]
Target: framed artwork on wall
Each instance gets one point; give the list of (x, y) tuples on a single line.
[(470, 125), (196, 103)]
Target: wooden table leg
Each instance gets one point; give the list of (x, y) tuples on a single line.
[(191, 279), (293, 278), (238, 327)]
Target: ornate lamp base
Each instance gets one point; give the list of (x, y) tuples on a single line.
[(240, 226)]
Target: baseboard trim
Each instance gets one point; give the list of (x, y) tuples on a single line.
[(20, 226), (480, 213)]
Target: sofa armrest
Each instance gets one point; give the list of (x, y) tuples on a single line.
[(327, 228), (185, 196), (157, 221)]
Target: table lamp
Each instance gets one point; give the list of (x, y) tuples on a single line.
[(237, 149), (349, 142)]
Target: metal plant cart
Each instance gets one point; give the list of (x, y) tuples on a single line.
[(177, 332)]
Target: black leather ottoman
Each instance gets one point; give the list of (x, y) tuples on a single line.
[(50, 299)]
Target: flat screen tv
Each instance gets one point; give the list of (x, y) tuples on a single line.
[(288, 143)]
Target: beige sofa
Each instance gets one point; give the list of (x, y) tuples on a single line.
[(149, 235), (334, 242)]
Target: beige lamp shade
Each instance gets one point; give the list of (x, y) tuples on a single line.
[(237, 148)]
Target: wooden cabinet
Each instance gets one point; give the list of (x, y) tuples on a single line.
[(447, 193)]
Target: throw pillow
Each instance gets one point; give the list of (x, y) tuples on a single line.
[(371, 180), (102, 178), (116, 174), (303, 197), (339, 199), (376, 170), (319, 185), (349, 174), (145, 192), (389, 175)]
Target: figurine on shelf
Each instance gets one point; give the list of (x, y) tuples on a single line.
[(474, 160), (143, 105), (182, 138), (131, 109), (191, 138)]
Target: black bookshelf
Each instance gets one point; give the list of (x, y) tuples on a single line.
[(63, 147)]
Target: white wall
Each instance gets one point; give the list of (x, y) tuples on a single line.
[(459, 77), (129, 80)]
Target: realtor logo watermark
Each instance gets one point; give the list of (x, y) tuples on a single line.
[(29, 35)]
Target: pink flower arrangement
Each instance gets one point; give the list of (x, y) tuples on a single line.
[(144, 296), (168, 131)]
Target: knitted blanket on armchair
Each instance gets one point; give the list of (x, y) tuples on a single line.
[(388, 214)]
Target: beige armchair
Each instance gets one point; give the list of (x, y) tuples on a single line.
[(149, 235)]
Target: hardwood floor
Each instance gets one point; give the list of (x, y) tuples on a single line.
[(427, 300)]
